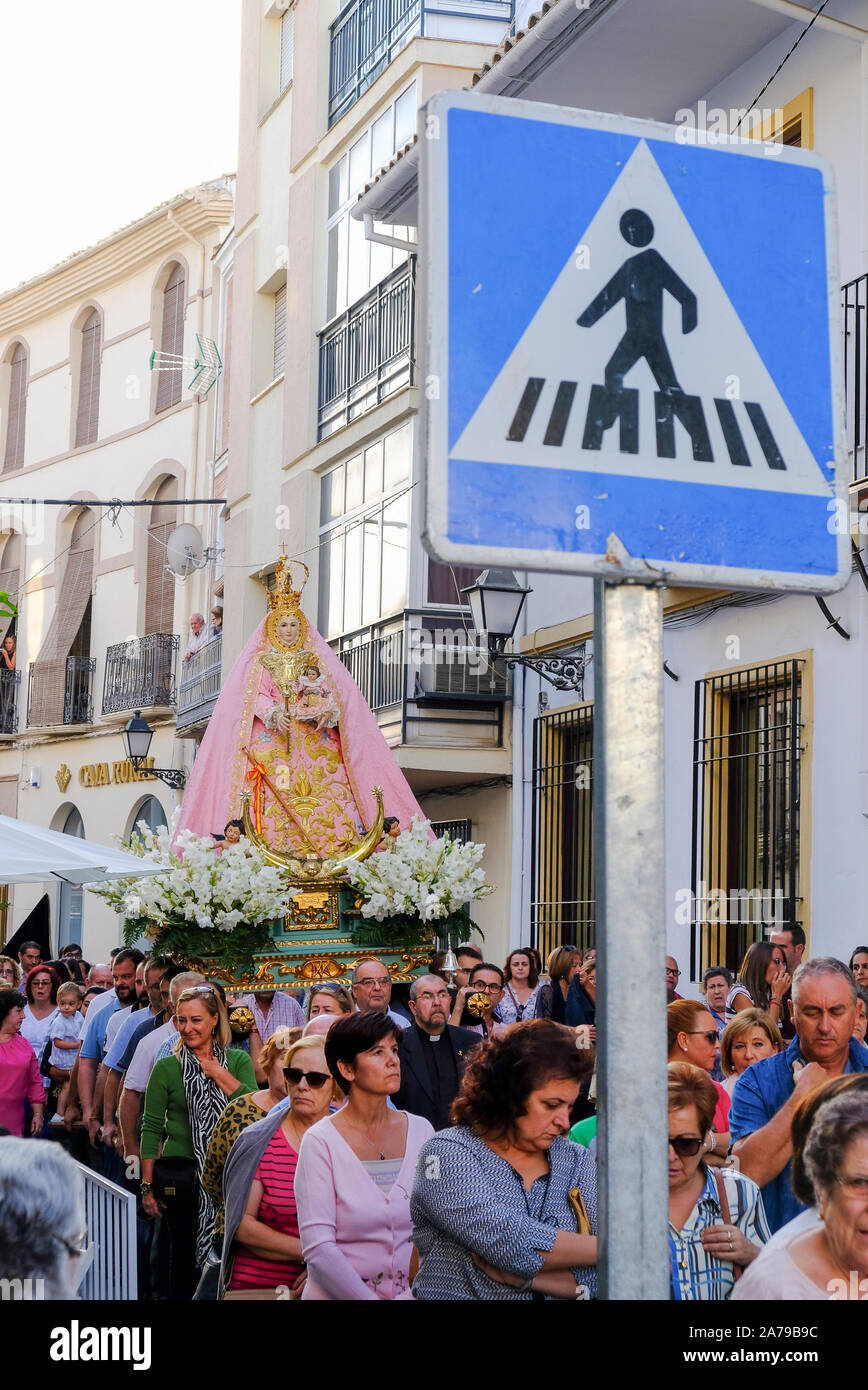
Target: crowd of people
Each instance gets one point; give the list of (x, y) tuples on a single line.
[(352, 1144)]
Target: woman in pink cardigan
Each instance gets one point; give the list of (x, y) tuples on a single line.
[(355, 1171)]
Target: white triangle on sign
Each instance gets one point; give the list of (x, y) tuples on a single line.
[(716, 361)]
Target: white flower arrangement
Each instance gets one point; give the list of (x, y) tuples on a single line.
[(420, 877), (209, 889)]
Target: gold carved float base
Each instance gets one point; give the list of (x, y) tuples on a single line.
[(309, 944)]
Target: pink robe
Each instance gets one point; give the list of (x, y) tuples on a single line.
[(332, 772)]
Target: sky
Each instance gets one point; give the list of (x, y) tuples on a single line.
[(108, 107)]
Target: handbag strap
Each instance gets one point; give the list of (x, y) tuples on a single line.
[(724, 1209)]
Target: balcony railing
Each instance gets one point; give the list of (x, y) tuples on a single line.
[(367, 34), (854, 297), (141, 673), (365, 354), (425, 668), (9, 683), (199, 684), (60, 691)]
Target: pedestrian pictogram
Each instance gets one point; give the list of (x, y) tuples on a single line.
[(655, 371)]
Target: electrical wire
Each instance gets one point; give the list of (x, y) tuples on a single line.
[(764, 89)]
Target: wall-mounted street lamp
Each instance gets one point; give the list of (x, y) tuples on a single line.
[(496, 601), (137, 737)]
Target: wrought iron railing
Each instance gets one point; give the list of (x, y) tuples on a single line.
[(367, 34), (427, 664), (456, 829), (140, 673), (367, 352), (199, 683), (9, 683), (854, 297), (58, 694)]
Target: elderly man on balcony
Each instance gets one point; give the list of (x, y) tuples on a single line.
[(198, 635)]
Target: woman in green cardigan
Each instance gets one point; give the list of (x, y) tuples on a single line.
[(186, 1095)]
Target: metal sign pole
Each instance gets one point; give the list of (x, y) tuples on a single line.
[(631, 935)]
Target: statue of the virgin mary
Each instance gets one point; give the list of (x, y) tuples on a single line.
[(294, 749)]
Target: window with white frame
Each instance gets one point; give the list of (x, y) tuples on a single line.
[(355, 264), (364, 531)]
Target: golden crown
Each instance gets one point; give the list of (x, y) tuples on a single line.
[(283, 598)]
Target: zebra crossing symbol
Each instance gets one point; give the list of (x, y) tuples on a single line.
[(688, 415), (653, 345)]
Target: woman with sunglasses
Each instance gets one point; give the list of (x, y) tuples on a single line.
[(717, 1224), (693, 1038), (262, 1246), (239, 1114), (355, 1171)]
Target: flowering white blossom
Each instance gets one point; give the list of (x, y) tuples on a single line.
[(419, 876), (215, 889)]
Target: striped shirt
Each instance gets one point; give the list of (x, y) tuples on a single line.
[(696, 1274), (277, 1209)]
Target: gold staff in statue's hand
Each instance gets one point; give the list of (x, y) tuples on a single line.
[(263, 775)]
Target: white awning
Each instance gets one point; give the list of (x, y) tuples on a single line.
[(31, 854)]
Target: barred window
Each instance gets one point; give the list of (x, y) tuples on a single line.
[(746, 800), (562, 883)]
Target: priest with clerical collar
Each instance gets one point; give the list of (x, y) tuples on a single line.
[(433, 1053)]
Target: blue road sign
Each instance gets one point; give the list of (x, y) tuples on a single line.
[(631, 350)]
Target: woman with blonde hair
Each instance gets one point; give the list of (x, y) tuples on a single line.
[(752, 1034), (327, 998), (262, 1246), (563, 963), (11, 973), (185, 1097)]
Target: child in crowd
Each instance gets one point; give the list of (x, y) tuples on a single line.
[(66, 1031)]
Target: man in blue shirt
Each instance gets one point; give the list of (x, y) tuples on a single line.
[(92, 1050), (766, 1095)]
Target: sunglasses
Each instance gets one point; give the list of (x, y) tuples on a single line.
[(315, 1079), (684, 1146), (710, 1036)]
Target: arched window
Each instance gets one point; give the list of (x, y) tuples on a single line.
[(70, 902), (87, 419), (152, 813), (60, 676), (170, 380), (160, 585), (13, 458)]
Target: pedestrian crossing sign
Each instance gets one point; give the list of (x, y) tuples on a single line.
[(631, 350)]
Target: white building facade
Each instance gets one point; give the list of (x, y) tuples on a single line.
[(102, 627), (766, 758)]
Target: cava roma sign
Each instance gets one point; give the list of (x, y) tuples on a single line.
[(106, 774)]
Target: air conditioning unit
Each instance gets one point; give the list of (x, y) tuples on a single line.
[(465, 671)]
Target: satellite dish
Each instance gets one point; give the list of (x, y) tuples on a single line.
[(184, 550)]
